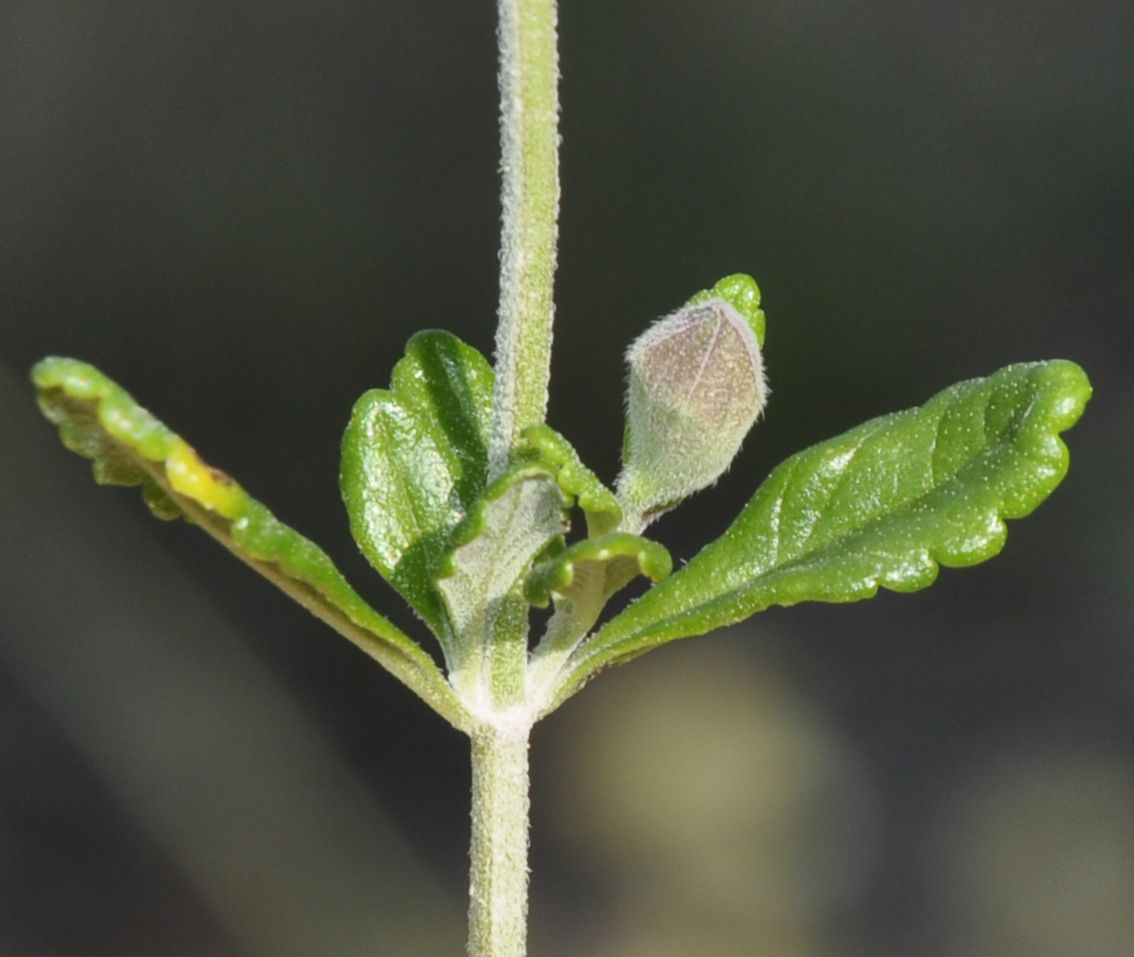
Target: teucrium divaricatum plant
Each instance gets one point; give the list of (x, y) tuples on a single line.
[(474, 509)]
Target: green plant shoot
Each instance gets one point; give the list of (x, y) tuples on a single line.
[(474, 509)]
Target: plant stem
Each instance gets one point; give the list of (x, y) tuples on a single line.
[(498, 875), (529, 117), (529, 114)]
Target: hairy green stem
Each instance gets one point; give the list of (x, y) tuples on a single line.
[(498, 874), (529, 115)]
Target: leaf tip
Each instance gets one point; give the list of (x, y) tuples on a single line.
[(1073, 390), (740, 291)]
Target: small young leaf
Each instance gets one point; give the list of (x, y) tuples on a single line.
[(598, 503), (581, 579), (519, 515), (880, 506), (414, 462), (100, 421), (620, 555)]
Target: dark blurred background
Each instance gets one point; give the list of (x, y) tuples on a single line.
[(241, 211)]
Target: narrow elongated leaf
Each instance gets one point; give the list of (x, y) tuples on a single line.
[(100, 421), (414, 462), (880, 506)]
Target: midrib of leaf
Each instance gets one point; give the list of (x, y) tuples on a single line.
[(804, 539), (803, 543), (460, 432)]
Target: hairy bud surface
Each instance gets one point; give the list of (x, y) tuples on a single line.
[(696, 387)]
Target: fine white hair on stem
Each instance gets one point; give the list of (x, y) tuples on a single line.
[(529, 116)]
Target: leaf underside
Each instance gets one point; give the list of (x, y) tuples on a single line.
[(882, 505), (519, 514), (128, 446)]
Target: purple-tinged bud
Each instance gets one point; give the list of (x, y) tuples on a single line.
[(696, 387)]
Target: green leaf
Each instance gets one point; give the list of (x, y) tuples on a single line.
[(620, 555), (551, 449), (880, 506), (521, 515), (741, 292), (414, 462), (581, 579), (99, 420), (518, 516)]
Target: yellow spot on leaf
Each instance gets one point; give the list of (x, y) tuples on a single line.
[(207, 486)]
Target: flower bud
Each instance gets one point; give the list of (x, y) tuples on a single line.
[(696, 387)]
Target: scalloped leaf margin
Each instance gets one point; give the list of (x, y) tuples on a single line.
[(414, 462), (558, 455), (880, 506), (625, 556)]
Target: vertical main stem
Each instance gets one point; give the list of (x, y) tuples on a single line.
[(498, 874), (529, 134), (529, 118)]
